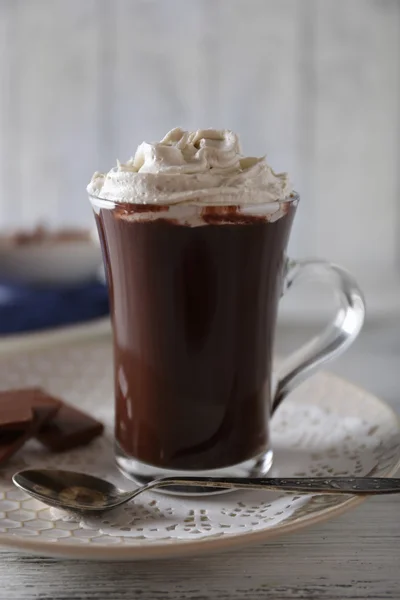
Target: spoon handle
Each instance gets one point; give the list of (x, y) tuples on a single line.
[(309, 485)]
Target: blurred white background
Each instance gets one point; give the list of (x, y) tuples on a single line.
[(315, 84)]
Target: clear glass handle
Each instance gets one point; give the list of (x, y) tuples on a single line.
[(336, 337)]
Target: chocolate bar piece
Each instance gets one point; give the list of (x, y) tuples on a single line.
[(10, 443), (14, 417), (41, 407), (68, 429)]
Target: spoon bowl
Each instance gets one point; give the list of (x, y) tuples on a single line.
[(79, 492), (69, 489)]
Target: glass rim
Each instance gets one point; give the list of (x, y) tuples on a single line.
[(293, 198)]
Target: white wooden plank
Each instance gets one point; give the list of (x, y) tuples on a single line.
[(9, 134), (58, 108), (357, 111), (157, 57), (304, 232), (259, 83), (256, 85)]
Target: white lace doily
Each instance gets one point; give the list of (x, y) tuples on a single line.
[(327, 427)]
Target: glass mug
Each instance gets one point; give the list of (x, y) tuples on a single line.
[(194, 295)]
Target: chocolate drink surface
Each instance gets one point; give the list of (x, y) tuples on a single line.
[(194, 312)]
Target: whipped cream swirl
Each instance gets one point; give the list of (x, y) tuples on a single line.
[(203, 167)]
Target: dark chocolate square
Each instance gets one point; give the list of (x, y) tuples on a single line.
[(68, 429)]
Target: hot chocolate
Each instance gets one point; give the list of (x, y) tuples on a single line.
[(194, 238), (194, 311)]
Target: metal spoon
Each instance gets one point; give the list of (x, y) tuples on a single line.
[(80, 492)]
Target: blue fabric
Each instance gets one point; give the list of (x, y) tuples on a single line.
[(25, 308)]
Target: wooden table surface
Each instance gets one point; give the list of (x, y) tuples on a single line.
[(354, 556)]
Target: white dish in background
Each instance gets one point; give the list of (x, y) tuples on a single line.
[(50, 261), (326, 427)]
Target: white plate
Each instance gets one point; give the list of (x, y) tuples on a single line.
[(55, 336), (327, 427)]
